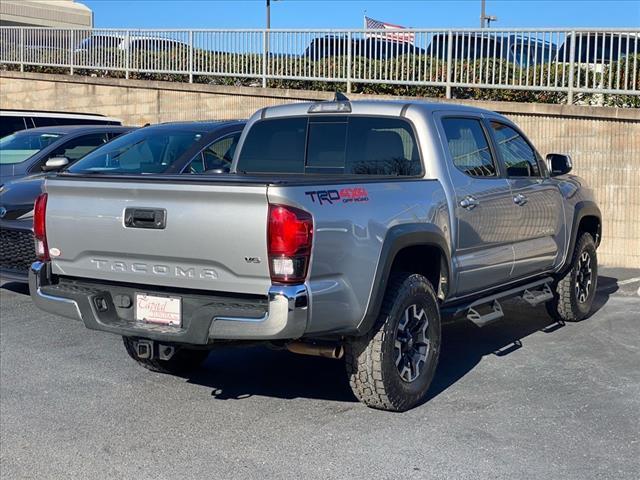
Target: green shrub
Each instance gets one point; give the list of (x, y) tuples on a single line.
[(620, 75), (421, 70)]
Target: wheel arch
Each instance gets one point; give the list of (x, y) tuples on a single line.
[(586, 219), (416, 248)]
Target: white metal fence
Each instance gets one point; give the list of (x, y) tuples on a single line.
[(570, 61)]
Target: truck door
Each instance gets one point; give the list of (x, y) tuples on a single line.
[(483, 253), (537, 203)]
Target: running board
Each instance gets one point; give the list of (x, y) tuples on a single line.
[(485, 319), (536, 297), (533, 293)]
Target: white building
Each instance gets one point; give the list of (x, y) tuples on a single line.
[(45, 13)]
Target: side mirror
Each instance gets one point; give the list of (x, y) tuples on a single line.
[(55, 163), (559, 164)]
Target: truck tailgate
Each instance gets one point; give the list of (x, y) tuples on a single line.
[(214, 235)]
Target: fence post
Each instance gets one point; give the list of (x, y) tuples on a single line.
[(572, 56), (71, 43), (449, 59), (127, 55), (265, 53), (349, 62), (22, 49), (190, 56)]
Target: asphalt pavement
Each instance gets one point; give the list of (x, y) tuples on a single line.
[(521, 398)]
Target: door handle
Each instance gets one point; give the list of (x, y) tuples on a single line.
[(469, 202), (520, 199)]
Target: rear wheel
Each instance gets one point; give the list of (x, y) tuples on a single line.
[(392, 367), (184, 360), (576, 289)]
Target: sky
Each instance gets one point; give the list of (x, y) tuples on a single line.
[(349, 13)]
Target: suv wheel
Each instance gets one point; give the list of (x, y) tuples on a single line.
[(575, 291), (183, 360), (391, 368)]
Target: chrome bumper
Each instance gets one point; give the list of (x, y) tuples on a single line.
[(39, 276), (286, 317)]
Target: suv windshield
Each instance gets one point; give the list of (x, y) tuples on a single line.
[(16, 148), (355, 145), (147, 150)]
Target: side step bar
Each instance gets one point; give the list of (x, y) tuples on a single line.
[(536, 297), (533, 293), (485, 319)]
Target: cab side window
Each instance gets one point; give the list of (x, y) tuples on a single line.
[(519, 158), (216, 157), (78, 147), (469, 147)]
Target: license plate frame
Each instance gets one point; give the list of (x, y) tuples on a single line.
[(158, 309)]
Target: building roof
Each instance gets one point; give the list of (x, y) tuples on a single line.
[(45, 13)]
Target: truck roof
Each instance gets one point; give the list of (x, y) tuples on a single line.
[(367, 107)]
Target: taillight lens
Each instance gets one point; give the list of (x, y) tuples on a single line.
[(289, 238), (40, 227)]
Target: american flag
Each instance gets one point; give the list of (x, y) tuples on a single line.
[(406, 37)]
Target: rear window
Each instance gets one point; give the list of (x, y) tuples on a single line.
[(331, 145), (146, 150)]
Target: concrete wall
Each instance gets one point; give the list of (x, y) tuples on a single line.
[(604, 142)]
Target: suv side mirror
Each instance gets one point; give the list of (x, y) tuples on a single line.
[(55, 163), (559, 164)]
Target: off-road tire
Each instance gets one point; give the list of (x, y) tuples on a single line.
[(370, 360), (565, 305), (183, 361)]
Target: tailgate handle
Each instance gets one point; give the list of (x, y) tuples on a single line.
[(145, 218)]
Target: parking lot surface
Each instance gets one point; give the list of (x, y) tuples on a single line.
[(521, 398)]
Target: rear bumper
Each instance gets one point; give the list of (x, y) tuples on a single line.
[(282, 315)]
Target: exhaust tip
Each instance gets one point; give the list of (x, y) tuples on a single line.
[(327, 351)]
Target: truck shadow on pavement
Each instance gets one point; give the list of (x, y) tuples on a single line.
[(240, 373), (464, 344), (237, 373)]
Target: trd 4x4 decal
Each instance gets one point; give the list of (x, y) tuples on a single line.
[(345, 195)]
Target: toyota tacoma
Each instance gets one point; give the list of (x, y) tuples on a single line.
[(344, 229)]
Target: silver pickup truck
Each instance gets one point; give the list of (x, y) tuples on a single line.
[(344, 229)]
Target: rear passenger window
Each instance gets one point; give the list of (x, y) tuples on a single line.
[(518, 156), (334, 145), (469, 147)]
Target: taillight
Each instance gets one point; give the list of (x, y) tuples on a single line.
[(289, 237), (40, 227)]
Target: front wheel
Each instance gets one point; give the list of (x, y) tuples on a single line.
[(576, 289), (392, 367), (183, 360)]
